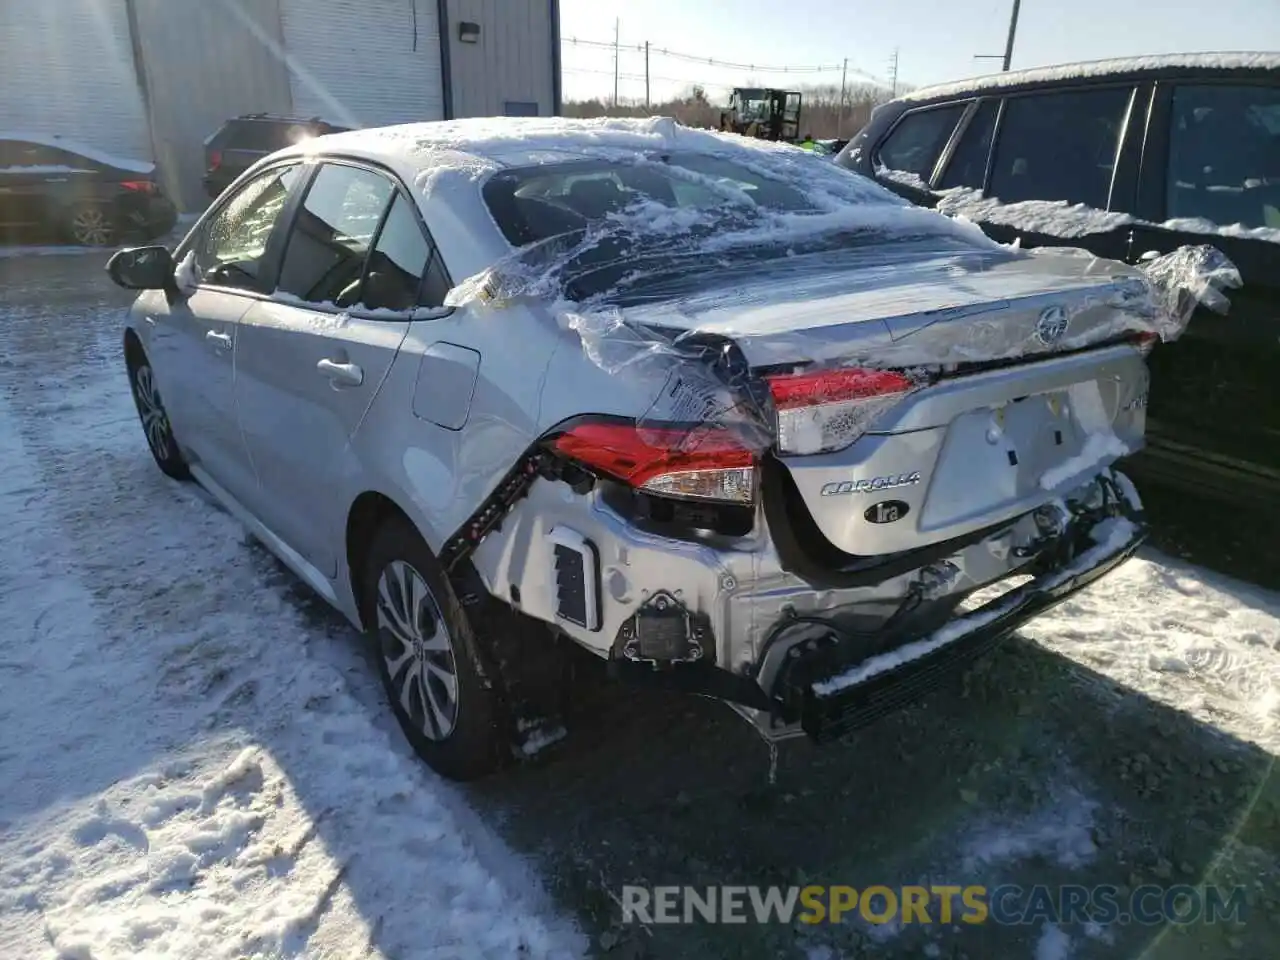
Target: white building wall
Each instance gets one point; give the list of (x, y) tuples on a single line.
[(67, 69), (364, 63), (510, 68), (205, 62)]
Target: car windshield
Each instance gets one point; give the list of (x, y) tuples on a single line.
[(628, 228)]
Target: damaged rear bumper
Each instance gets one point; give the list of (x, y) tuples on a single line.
[(830, 698), (725, 618)]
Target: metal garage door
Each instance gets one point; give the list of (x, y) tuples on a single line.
[(68, 70), (364, 62), (206, 62)]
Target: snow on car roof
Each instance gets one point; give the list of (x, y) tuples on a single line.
[(445, 162), (83, 149), (427, 152), (1243, 60), (513, 141)]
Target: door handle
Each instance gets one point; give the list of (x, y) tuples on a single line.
[(221, 341), (341, 374)]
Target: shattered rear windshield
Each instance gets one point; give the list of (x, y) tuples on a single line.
[(531, 204), (639, 226)]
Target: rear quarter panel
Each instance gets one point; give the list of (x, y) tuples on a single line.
[(437, 473)]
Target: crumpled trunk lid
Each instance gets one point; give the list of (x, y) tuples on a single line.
[(909, 303), (1023, 386)]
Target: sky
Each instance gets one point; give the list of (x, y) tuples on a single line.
[(936, 39)]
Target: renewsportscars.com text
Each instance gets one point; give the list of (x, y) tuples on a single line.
[(1007, 904)]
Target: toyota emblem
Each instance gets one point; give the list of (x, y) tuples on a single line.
[(1051, 325)]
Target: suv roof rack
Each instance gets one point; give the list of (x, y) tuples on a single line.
[(280, 117)]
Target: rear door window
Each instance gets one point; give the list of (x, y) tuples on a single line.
[(968, 164), (918, 138), (1224, 155), (1059, 146), (404, 269), (332, 233)]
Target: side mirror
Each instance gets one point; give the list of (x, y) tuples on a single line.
[(142, 268)]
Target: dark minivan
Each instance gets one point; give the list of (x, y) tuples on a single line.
[(1129, 159)]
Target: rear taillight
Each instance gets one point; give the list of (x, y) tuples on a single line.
[(829, 409), (139, 186), (215, 159), (702, 463)]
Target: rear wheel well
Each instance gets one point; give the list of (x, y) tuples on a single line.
[(133, 352), (369, 512)]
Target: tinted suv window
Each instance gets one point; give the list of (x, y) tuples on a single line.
[(968, 164), (918, 138), (332, 233), (1224, 155), (260, 136), (1059, 146), (230, 250)]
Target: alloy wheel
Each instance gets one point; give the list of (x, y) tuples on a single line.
[(154, 421), (416, 649), (91, 226)]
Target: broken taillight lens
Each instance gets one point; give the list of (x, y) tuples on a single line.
[(702, 463), (1146, 342), (829, 409)]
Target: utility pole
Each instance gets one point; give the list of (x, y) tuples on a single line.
[(844, 74), (1007, 58), (617, 32), (646, 74), (1013, 30), (893, 74)]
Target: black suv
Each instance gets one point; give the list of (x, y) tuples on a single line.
[(243, 141), (1134, 158)]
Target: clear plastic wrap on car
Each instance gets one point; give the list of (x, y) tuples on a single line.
[(920, 300)]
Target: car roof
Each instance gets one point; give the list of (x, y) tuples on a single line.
[(444, 163), (1101, 70), (491, 143)]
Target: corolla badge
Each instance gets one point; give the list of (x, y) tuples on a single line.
[(1051, 325), (872, 485)]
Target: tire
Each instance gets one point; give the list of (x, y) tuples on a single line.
[(454, 726), (156, 426), (91, 225)]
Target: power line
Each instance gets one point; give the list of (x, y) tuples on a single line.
[(710, 61)]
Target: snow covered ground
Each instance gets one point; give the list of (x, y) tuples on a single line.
[(196, 762), (189, 768)]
